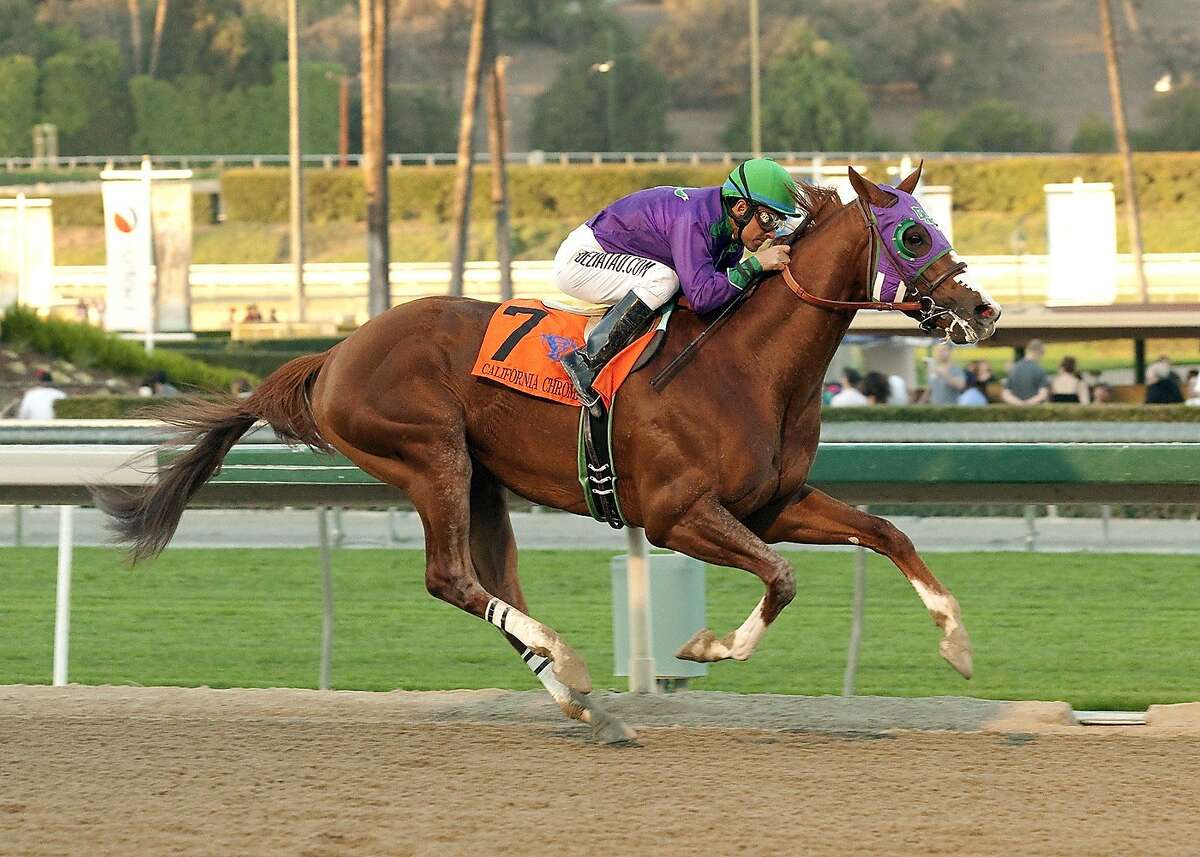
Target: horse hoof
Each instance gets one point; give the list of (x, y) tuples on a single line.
[(703, 648), (609, 730), (571, 670), (956, 649)]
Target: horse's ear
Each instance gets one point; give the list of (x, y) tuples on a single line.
[(910, 183), (867, 190)]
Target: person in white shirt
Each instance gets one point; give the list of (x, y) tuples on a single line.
[(899, 390), (850, 395), (38, 402)]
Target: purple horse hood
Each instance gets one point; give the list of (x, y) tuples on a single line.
[(900, 226)]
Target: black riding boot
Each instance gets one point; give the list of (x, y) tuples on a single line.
[(618, 328)]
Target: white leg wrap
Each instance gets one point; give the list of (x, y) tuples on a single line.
[(510, 620)]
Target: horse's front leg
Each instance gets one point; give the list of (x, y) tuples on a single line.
[(710, 533), (818, 519)]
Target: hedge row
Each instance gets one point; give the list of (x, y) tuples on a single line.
[(425, 193), (117, 407), (1014, 186), (89, 347), (105, 407), (1011, 186), (87, 209), (242, 361)]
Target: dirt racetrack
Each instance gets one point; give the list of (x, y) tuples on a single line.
[(156, 771)]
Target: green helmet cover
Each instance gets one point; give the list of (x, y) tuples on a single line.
[(764, 181)]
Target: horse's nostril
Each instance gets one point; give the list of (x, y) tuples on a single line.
[(986, 311)]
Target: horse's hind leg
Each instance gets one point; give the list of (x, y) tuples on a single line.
[(494, 556), (711, 533), (439, 487), (816, 518)]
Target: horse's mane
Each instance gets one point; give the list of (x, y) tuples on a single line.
[(816, 202)]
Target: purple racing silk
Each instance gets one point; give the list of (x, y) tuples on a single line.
[(896, 267), (685, 229)]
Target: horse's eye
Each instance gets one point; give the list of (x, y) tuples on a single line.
[(915, 238)]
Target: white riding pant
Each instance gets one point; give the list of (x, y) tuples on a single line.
[(583, 270)]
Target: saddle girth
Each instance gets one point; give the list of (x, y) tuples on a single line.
[(597, 475)]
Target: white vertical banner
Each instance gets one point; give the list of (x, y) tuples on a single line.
[(128, 240), (1081, 227), (26, 252), (938, 202), (171, 207)]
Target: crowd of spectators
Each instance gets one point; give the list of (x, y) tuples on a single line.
[(1026, 383), (250, 315)]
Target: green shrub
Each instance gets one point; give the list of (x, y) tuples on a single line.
[(90, 347), (1010, 186), (425, 193), (87, 209), (243, 362), (104, 407)]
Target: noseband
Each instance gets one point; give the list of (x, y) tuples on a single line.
[(924, 308)]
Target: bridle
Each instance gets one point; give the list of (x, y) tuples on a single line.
[(924, 309)]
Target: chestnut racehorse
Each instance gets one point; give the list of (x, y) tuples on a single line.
[(712, 465)]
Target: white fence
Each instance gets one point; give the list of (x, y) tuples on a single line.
[(533, 158), (336, 290)]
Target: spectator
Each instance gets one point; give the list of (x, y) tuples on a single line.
[(975, 395), (898, 390), (850, 396), (38, 402), (1067, 385), (1027, 383), (81, 311), (1163, 388), (273, 318), (232, 319), (1192, 387), (876, 389), (240, 388), (156, 384), (946, 380), (1102, 394), (1164, 360), (252, 314)]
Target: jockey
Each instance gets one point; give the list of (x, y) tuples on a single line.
[(638, 252)]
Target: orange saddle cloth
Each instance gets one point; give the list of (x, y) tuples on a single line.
[(525, 341)]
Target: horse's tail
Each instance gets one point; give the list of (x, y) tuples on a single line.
[(146, 518)]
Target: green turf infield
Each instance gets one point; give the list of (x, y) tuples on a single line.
[(1101, 632)]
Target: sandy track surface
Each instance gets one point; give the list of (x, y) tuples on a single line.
[(151, 771)]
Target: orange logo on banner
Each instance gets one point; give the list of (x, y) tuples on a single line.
[(525, 341)]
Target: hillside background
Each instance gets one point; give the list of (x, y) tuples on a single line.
[(1000, 75)]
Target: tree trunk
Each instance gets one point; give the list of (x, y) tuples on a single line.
[(135, 35), (497, 142), (373, 25), (1132, 214), (160, 23), (480, 38)]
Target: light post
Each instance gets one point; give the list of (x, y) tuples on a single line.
[(607, 68), (755, 92)]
